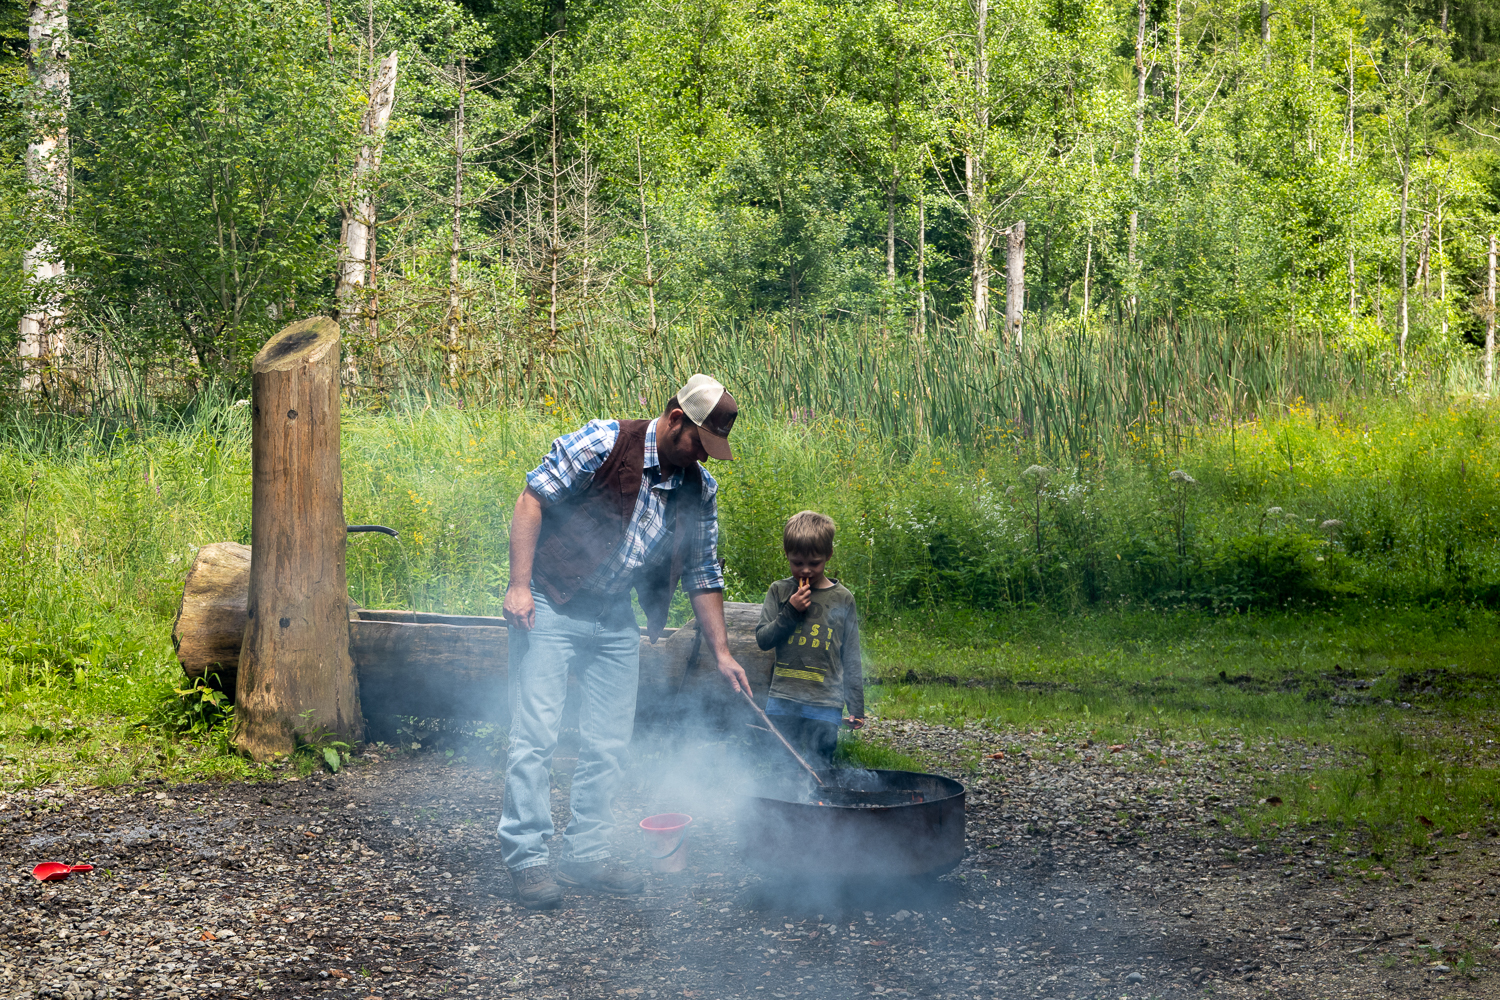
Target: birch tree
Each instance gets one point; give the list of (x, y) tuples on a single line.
[(356, 247), (1411, 78), (42, 335), (358, 243)]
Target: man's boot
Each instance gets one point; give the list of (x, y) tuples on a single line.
[(603, 876), (536, 888)]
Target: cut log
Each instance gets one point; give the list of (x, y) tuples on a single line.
[(431, 671), (436, 666), (210, 623), (296, 678), (703, 695)]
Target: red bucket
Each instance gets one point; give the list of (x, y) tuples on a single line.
[(665, 837)]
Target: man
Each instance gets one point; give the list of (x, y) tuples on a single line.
[(615, 505)]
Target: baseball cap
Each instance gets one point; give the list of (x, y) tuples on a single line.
[(712, 409)]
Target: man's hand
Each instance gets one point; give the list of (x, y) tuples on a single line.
[(855, 723), (735, 674), (520, 608), (802, 599)]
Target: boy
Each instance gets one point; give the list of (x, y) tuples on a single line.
[(813, 625)]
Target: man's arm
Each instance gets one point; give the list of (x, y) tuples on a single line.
[(708, 605), (525, 528)]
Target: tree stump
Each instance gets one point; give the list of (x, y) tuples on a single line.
[(296, 677)]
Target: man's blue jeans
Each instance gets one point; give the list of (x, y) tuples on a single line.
[(595, 635)]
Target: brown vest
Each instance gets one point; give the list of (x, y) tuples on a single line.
[(580, 533)]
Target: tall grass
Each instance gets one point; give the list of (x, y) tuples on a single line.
[(1066, 394)]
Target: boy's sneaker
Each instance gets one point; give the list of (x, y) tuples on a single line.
[(604, 876), (536, 888)]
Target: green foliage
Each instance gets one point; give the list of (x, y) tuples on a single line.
[(205, 134), (628, 175), (198, 708), (317, 748)]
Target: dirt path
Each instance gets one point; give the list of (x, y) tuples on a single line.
[(384, 881)]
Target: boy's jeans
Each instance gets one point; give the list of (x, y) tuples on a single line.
[(814, 739), (596, 635)]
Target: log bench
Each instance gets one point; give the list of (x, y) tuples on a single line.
[(434, 666)]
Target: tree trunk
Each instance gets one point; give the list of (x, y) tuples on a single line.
[(210, 625), (895, 185), (296, 679), (1140, 135), (1349, 134), (1177, 66), (355, 250), (1442, 270), (921, 262), (650, 282), (42, 336), (554, 238), (1405, 156), (1489, 328), (976, 175), (455, 247), (1015, 279), (1405, 197), (1265, 22)]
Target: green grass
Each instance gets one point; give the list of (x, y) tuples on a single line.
[(1393, 705), (855, 751)]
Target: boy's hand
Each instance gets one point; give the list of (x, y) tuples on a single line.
[(855, 723), (802, 599)]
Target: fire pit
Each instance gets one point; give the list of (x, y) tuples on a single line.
[(897, 824)]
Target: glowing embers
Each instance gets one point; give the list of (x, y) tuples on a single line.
[(863, 798)]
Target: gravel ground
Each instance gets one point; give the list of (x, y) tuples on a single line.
[(1092, 872)]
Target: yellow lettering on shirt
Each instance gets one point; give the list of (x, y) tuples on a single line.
[(815, 642), (802, 641), (815, 629), (800, 675)]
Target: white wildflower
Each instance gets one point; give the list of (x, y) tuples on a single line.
[(1331, 525), (1178, 476)]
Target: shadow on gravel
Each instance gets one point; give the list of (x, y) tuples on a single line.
[(843, 900)]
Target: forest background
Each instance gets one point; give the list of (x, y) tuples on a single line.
[(556, 176)]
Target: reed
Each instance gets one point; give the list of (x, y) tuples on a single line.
[(1067, 395)]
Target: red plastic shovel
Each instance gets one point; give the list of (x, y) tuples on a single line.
[(56, 871)]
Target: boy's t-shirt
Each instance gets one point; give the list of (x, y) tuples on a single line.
[(817, 651)]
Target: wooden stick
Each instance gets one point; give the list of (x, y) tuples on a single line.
[(777, 733)]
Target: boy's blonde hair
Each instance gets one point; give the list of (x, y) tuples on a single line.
[(809, 533)]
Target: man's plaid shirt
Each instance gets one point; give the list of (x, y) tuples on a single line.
[(569, 468)]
